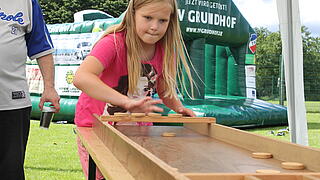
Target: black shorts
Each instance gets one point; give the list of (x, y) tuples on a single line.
[(14, 132)]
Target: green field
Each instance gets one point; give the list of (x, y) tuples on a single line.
[(52, 154), (311, 106), (313, 130), (313, 118)]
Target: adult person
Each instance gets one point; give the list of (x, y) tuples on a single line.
[(22, 33)]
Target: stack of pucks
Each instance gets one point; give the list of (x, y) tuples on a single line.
[(119, 114), (261, 155), (292, 165), (154, 115), (138, 114), (175, 115)]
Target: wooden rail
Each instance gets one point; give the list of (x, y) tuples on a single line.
[(161, 119)]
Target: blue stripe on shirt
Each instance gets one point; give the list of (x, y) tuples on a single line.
[(38, 40)]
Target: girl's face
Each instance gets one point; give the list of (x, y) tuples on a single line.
[(152, 21)]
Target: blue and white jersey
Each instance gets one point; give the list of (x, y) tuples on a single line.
[(22, 33)]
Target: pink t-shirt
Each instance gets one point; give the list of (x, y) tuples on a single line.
[(111, 52)]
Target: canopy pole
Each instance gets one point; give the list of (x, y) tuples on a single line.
[(290, 28)]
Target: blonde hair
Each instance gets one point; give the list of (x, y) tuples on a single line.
[(172, 43)]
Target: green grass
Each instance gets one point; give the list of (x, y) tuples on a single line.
[(311, 106), (313, 130), (52, 154)]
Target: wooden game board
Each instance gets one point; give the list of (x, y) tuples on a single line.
[(199, 151)]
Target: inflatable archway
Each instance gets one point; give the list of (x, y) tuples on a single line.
[(221, 45)]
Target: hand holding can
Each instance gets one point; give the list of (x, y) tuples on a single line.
[(46, 116)]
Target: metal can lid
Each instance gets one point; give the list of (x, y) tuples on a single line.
[(48, 109)]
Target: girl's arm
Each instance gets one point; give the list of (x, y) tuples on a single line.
[(172, 103), (87, 80)]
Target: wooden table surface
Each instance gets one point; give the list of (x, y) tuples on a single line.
[(191, 152)]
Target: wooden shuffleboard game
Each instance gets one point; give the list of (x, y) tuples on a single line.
[(199, 150)]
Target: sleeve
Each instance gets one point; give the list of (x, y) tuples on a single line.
[(38, 39), (104, 50)]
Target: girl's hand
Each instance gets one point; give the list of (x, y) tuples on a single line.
[(145, 105), (186, 112)]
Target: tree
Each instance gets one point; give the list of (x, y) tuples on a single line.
[(269, 50), (311, 65), (61, 11), (267, 55)]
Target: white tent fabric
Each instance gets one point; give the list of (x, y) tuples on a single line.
[(290, 29)]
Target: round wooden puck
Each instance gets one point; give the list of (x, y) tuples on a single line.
[(174, 115), (261, 155), (118, 114), (292, 165), (138, 114), (168, 134), (154, 115), (270, 171)]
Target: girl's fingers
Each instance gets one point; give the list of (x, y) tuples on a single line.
[(153, 102), (187, 112), (145, 105), (146, 99), (150, 106), (155, 109)]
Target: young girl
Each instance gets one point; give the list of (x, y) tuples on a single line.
[(144, 52)]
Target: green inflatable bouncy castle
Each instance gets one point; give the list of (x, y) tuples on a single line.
[(221, 45)]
